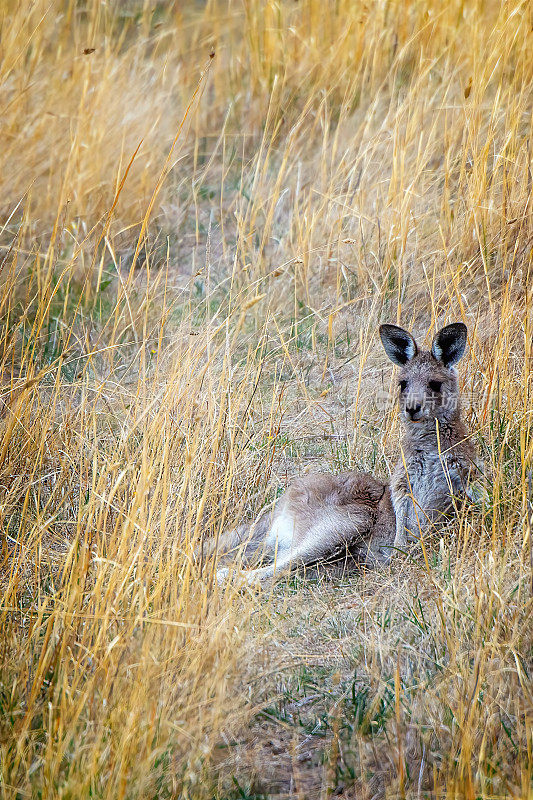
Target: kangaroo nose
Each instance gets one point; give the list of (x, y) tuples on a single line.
[(412, 410)]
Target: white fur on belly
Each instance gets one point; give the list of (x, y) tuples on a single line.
[(282, 532)]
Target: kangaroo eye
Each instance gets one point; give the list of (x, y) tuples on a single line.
[(435, 386), (403, 386)]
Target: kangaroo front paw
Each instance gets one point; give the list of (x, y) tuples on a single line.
[(384, 555), (378, 556), (400, 540)]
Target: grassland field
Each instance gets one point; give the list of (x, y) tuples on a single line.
[(206, 210)]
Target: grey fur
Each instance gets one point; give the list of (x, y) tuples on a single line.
[(437, 455)]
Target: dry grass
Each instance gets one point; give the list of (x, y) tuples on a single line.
[(195, 253)]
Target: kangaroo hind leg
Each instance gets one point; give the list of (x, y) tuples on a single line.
[(306, 553), (321, 541)]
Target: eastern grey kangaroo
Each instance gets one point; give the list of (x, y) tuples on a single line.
[(322, 515)]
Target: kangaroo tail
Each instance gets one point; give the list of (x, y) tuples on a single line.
[(222, 544), (244, 540)]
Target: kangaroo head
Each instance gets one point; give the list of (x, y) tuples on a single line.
[(427, 382)]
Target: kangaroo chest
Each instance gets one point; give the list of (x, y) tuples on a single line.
[(432, 480)]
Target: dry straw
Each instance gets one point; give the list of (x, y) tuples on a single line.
[(206, 210)]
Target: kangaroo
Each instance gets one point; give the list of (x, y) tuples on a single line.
[(438, 459), (321, 516)]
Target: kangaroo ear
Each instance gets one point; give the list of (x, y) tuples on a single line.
[(399, 345), (449, 344)]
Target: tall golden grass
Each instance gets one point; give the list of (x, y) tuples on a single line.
[(206, 210)]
